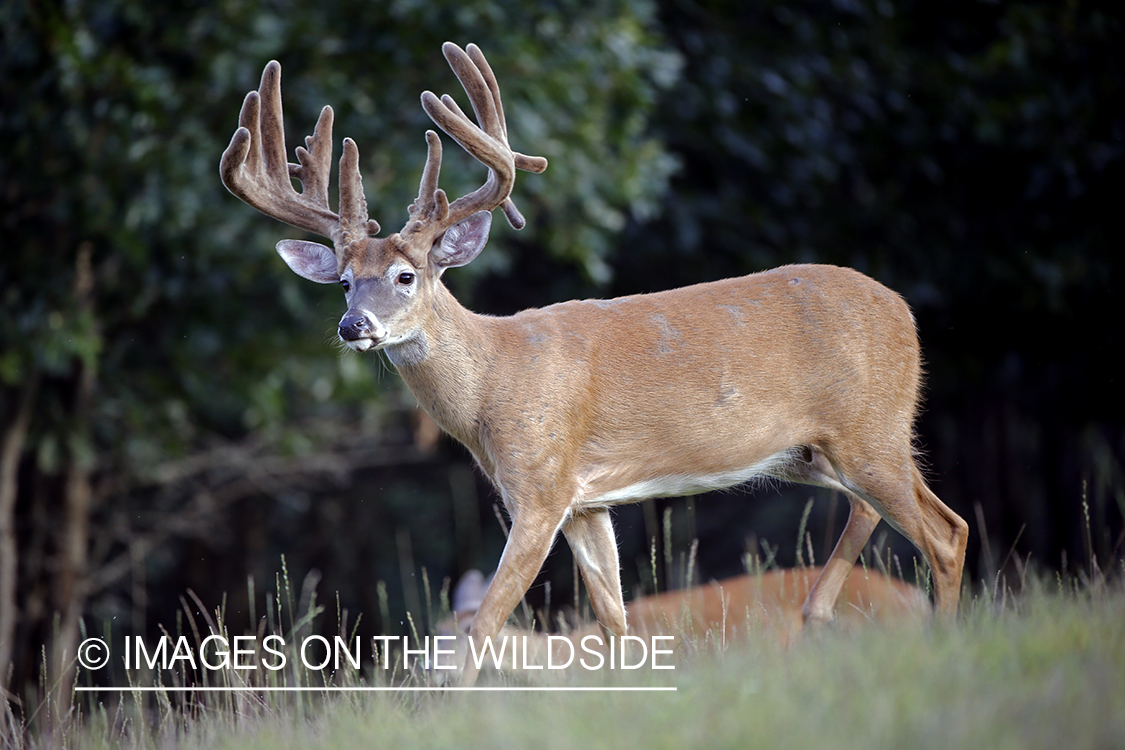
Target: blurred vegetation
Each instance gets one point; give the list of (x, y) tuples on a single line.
[(173, 413)]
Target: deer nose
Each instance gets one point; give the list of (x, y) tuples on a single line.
[(354, 326)]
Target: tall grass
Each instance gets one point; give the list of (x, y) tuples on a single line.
[(1042, 668)]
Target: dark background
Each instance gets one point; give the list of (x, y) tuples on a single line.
[(174, 413)]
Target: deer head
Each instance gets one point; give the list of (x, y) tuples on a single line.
[(389, 283)]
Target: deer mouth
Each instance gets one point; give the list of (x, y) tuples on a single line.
[(359, 345), (380, 339)]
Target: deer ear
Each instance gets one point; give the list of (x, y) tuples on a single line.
[(463, 241), (309, 260)]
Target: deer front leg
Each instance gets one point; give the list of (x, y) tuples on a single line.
[(529, 541), (590, 535)]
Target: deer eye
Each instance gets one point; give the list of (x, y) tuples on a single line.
[(347, 285), (406, 278)]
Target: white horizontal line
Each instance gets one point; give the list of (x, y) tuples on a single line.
[(405, 689)]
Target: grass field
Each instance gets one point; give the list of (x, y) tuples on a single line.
[(1041, 669)]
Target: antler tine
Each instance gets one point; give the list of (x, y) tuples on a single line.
[(354, 223), (486, 142), (475, 55), (431, 203), (481, 86), (254, 167), (315, 160)]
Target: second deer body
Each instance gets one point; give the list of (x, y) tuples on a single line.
[(765, 606), (805, 373)]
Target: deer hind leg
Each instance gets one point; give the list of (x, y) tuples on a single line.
[(590, 535), (528, 544), (945, 535), (897, 491)]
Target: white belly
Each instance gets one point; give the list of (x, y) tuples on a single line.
[(675, 485)]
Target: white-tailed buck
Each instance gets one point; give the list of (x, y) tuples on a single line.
[(805, 373), (764, 605)]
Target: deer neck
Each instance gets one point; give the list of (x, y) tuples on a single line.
[(444, 366)]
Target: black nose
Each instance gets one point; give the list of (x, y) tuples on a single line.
[(353, 326)]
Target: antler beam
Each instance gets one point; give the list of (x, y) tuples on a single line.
[(486, 142)]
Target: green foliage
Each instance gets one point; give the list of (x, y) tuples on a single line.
[(125, 256), (943, 150)]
